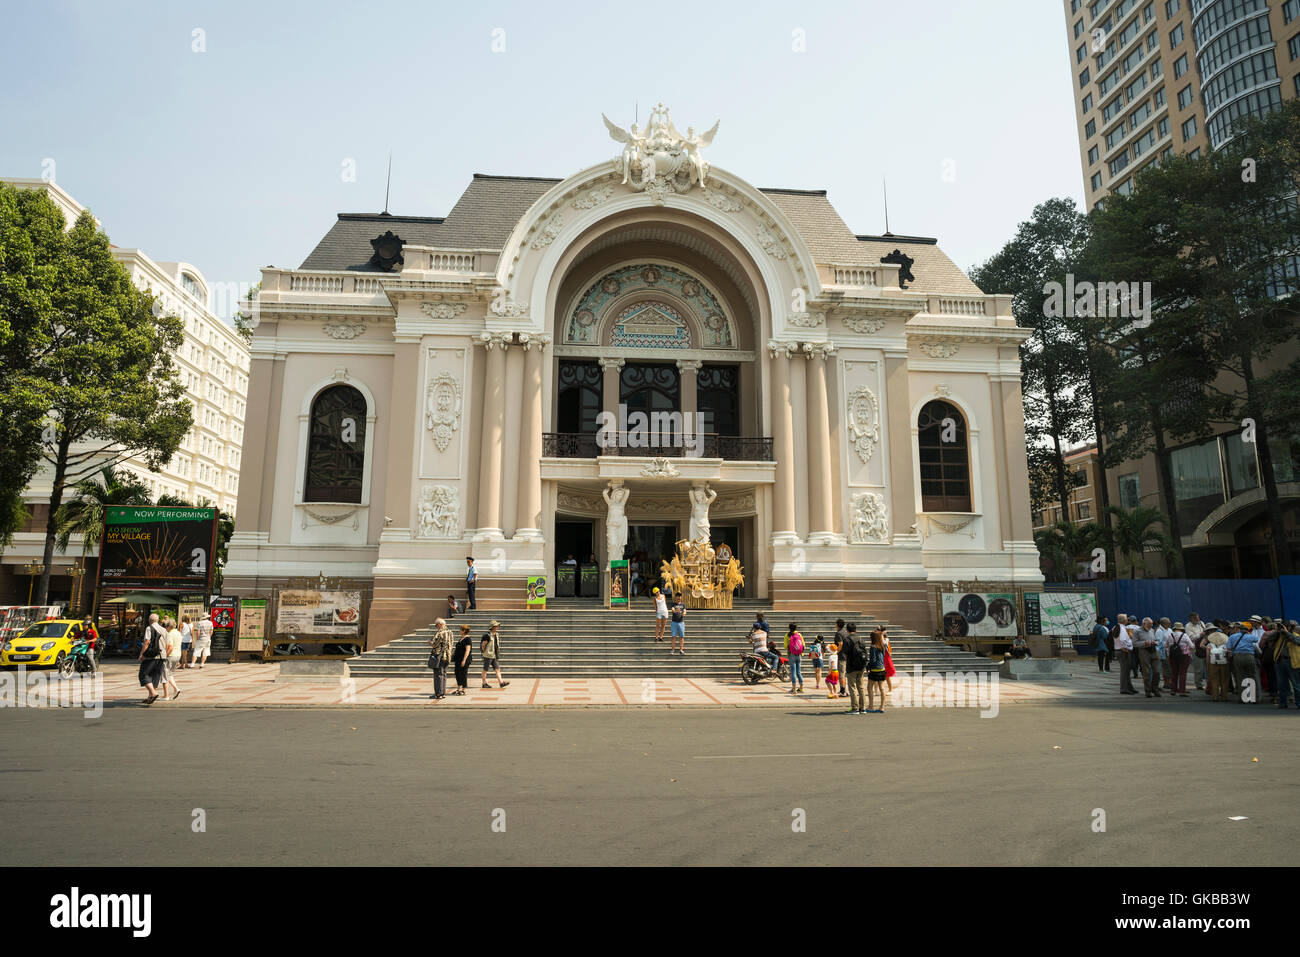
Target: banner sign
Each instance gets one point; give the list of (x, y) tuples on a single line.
[(307, 611), (224, 610), (537, 591), (158, 549), (619, 584), (193, 609), (973, 615), (565, 578), (589, 581), (252, 624)]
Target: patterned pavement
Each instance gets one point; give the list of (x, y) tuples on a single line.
[(254, 685)]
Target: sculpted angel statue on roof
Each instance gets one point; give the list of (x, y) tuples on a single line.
[(660, 160)]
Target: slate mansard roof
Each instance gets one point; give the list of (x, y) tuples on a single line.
[(491, 206)]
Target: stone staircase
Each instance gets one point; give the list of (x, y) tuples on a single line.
[(576, 639)]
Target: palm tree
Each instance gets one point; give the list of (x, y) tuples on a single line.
[(1137, 531), (1061, 544), (83, 515)]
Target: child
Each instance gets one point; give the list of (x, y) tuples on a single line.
[(890, 671), (876, 672), (832, 658), (816, 654)]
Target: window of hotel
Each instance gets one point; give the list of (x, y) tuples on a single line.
[(1189, 129), (1078, 28), (1243, 75), (1180, 66), (1162, 128), (1296, 82), (1157, 69), (1198, 482), (1148, 12), (1114, 136), (1125, 187), (1087, 103), (1171, 7), (1186, 97), (1293, 45), (944, 457), (1176, 36), (1080, 53), (1107, 82), (336, 449), (1085, 510), (1243, 467), (1096, 182), (1084, 77), (1092, 155), (1165, 153), (1195, 154), (1091, 129)]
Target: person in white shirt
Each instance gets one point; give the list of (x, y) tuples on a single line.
[(661, 614), (187, 637), (1124, 648), (173, 645), (1163, 633), (1196, 628), (202, 640)]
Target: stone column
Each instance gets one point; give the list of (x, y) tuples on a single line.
[(511, 438), (821, 491), (898, 433), (530, 453), (783, 526), (491, 454), (688, 372), (609, 391), (799, 422)]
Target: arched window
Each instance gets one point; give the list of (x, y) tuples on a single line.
[(336, 446), (945, 458)]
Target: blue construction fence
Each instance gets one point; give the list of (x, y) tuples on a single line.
[(1176, 598)]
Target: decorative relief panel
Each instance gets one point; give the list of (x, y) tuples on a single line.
[(439, 512), (442, 408), (442, 310), (343, 330), (868, 519), (863, 324), (864, 422)]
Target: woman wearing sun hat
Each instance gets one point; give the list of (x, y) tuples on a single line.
[(661, 613)]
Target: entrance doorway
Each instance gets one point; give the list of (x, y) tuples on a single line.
[(647, 547), (728, 535), (575, 540)]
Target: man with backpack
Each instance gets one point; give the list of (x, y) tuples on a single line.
[(853, 658), (1241, 658)]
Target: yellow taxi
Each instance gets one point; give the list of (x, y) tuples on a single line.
[(44, 643)]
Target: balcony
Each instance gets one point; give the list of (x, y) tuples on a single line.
[(582, 445)]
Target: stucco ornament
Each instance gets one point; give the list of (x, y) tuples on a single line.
[(442, 408), (439, 512), (864, 425), (660, 468), (869, 519), (442, 310), (660, 160), (863, 324), (343, 330)]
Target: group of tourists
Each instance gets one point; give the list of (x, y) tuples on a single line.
[(168, 647), (446, 649), (1248, 659), (846, 659)]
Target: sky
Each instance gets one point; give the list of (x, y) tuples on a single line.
[(223, 133)]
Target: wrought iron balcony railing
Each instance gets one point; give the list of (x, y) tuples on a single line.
[(583, 445)]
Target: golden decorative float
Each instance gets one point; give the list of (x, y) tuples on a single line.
[(702, 576)]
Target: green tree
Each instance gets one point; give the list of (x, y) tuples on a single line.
[(1054, 360), (1218, 236), (109, 371), (1137, 531), (31, 227)]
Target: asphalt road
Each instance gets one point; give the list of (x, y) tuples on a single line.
[(653, 787)]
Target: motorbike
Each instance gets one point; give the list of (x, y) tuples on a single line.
[(80, 660), (755, 668)]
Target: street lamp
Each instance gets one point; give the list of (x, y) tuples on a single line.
[(31, 570)]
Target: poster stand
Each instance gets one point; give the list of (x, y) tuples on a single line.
[(351, 634)]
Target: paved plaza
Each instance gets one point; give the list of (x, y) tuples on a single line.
[(255, 685)]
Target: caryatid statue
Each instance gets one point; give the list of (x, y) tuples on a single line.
[(702, 496), (616, 520)]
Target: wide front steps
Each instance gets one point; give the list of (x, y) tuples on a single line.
[(593, 642)]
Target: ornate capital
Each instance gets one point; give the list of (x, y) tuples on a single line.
[(819, 350), (608, 364), (689, 365), (495, 340), (781, 350), (533, 340)]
